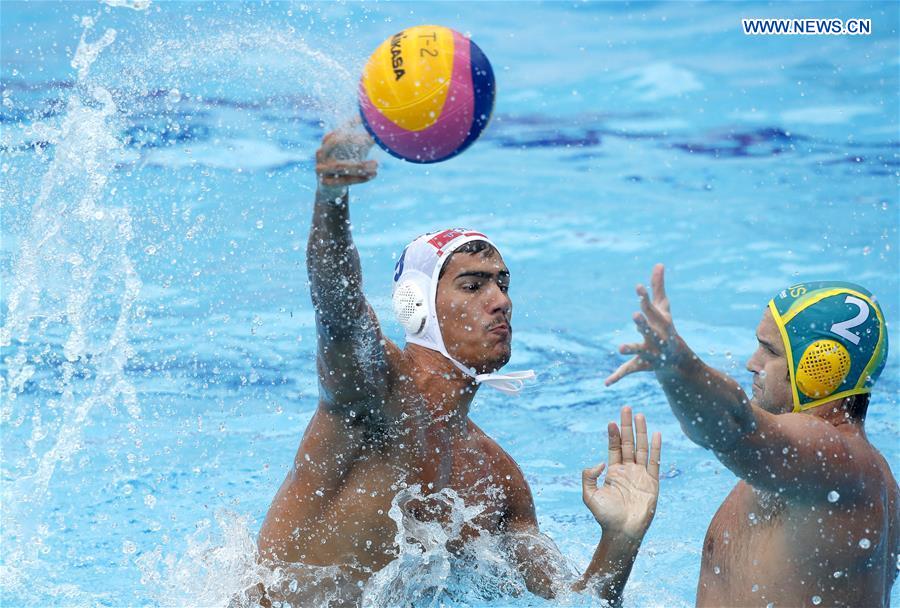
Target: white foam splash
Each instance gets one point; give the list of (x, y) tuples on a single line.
[(136, 5), (87, 52), (71, 273), (221, 566)]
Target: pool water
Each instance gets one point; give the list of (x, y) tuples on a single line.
[(158, 337)]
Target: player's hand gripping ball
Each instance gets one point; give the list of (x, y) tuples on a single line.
[(426, 94)]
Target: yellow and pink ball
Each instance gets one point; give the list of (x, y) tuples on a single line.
[(426, 94)]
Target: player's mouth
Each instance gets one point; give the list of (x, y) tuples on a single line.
[(501, 329)]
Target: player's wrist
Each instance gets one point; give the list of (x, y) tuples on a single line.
[(334, 195), (679, 359), (623, 541)]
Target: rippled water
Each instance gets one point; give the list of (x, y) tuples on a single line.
[(158, 339)]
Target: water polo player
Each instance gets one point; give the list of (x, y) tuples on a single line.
[(392, 419), (815, 519)]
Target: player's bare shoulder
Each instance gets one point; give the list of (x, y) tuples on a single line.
[(506, 476), (877, 482)]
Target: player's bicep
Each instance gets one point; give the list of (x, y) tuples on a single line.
[(797, 455), (352, 360)]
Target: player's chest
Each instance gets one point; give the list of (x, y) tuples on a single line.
[(746, 527)]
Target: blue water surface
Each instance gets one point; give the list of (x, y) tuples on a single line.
[(158, 362)]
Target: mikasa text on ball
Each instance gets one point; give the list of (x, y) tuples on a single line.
[(426, 94)]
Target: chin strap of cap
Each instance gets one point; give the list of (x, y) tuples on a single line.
[(510, 383)]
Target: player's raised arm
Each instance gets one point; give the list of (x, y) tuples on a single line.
[(352, 363), (711, 407), (794, 454)]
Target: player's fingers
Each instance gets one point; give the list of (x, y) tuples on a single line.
[(340, 168), (655, 450), (658, 283), (346, 181), (641, 444), (645, 328), (632, 348), (653, 314), (614, 455), (346, 142), (627, 436), (590, 476), (629, 367)]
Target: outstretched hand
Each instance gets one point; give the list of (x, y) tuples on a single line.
[(626, 501), (340, 161), (662, 346)]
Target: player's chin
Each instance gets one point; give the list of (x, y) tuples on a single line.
[(494, 357), (503, 353)]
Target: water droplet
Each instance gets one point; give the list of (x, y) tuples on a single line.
[(717, 570), (865, 543), (816, 600), (174, 96), (150, 250), (754, 588), (752, 517), (838, 574), (127, 489), (833, 496), (150, 500), (128, 547)]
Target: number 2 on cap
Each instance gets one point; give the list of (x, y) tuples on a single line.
[(843, 328)]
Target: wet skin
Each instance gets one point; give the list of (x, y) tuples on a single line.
[(333, 508), (812, 486), (793, 550), (389, 418)]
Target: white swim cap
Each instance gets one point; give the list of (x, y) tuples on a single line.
[(415, 299)]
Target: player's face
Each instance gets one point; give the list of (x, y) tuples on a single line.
[(474, 310), (771, 379)]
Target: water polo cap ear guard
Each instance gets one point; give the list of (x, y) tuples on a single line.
[(415, 295), (410, 302), (835, 340)]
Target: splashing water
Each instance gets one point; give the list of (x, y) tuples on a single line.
[(72, 276), (181, 139), (432, 567), (224, 569), (427, 570)]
